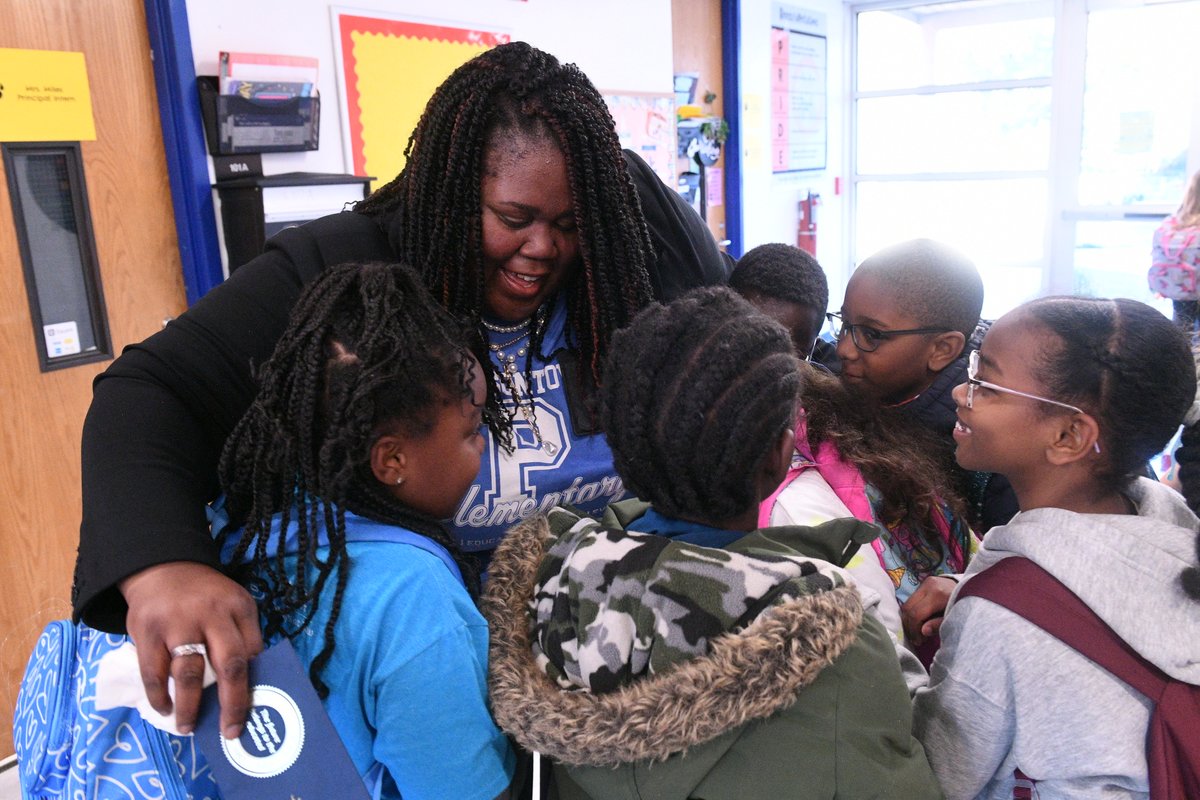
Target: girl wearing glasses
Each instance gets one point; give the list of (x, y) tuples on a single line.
[(1068, 398)]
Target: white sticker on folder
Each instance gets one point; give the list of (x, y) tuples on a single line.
[(62, 339)]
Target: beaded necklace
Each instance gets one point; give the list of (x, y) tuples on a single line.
[(508, 369)]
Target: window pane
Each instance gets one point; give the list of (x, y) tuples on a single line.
[(1137, 106), (955, 132), (52, 235), (1111, 259), (999, 224), (942, 45)]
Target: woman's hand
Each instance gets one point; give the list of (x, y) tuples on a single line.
[(921, 614), (184, 602)]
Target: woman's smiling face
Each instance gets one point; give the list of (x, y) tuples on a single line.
[(530, 241)]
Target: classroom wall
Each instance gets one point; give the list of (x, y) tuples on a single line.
[(770, 202), (622, 45)]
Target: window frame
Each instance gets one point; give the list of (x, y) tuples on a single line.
[(1067, 85), (85, 236)]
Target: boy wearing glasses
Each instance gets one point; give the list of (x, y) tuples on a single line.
[(909, 321), (909, 312)]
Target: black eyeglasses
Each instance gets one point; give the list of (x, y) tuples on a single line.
[(868, 339)]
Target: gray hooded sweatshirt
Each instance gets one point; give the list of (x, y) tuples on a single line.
[(1003, 694)]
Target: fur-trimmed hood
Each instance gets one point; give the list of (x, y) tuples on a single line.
[(747, 675)]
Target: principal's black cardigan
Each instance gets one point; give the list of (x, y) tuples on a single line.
[(161, 412)]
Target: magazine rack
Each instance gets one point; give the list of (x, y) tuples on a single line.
[(234, 124)]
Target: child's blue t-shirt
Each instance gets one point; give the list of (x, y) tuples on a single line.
[(562, 469), (408, 677)]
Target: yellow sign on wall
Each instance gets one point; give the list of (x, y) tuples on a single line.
[(44, 97), (382, 109)]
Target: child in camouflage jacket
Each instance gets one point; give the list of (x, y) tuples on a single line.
[(671, 650)]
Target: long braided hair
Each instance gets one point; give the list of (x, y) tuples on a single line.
[(699, 392), (432, 210), (366, 352)]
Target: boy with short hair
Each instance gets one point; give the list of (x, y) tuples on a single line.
[(788, 285), (909, 320)]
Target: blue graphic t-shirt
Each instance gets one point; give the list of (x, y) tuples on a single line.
[(537, 475)]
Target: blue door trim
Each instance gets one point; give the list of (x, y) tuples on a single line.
[(183, 140), (731, 36)]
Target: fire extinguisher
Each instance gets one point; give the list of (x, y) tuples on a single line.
[(806, 233)]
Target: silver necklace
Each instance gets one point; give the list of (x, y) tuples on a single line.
[(520, 326), (525, 405)]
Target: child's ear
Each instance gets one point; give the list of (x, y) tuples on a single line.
[(1076, 437), (778, 461), (945, 347), (388, 462)]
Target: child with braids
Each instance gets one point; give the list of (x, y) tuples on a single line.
[(1068, 398), (522, 214), (369, 417), (672, 647)]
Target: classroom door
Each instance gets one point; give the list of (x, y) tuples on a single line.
[(696, 37), (42, 412)]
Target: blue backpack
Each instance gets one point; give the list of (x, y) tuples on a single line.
[(66, 748)]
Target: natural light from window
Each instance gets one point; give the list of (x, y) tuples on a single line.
[(1051, 182)]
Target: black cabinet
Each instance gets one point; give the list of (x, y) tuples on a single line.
[(255, 208)]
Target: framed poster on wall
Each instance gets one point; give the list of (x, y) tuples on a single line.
[(799, 89), (382, 109)]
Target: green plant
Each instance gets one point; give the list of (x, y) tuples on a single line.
[(715, 129)]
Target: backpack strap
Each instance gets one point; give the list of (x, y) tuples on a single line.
[(1029, 591), (1026, 589)]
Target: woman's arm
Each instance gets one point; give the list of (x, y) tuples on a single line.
[(151, 441), (153, 436), (687, 255), (154, 432)]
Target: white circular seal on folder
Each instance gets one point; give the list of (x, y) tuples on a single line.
[(273, 737)]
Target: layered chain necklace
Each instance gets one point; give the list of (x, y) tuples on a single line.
[(507, 354)]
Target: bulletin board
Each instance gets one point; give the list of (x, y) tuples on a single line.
[(389, 68), (799, 93), (646, 124)]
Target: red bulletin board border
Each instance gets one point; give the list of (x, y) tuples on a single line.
[(349, 24)]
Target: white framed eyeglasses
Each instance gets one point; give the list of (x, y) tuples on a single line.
[(973, 382)]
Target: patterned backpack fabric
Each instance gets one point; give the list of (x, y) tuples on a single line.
[(1176, 255), (67, 748)]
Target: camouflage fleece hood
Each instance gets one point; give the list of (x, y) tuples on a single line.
[(688, 643)]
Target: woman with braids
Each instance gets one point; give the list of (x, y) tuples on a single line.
[(368, 417), (1068, 397), (522, 216), (672, 650)]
